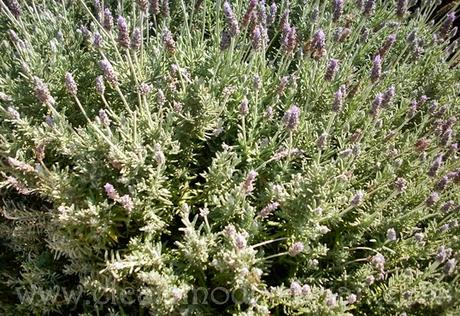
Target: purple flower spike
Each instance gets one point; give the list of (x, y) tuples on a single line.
[(70, 84), (401, 8), (143, 5), (100, 87), (446, 26), (14, 7), (432, 199), (107, 21), (42, 92), (155, 7), (388, 96), (111, 192), (231, 20), (357, 198), (225, 40), (337, 10), (332, 69), (290, 41), (168, 41), (296, 248), (248, 184), (391, 39), (123, 34), (337, 106), (256, 38), (369, 8), (249, 11), (97, 40), (376, 71), (165, 11), (108, 72), (136, 39), (291, 118), (376, 105), (437, 162), (272, 14), (267, 210), (319, 40)]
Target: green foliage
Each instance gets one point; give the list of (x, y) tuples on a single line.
[(225, 172)]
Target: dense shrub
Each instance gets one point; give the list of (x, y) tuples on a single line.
[(216, 157)]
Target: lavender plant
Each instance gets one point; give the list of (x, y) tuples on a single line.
[(229, 157)]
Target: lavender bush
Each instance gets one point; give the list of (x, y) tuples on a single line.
[(229, 157)]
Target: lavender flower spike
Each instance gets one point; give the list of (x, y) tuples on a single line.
[(401, 8), (267, 210), (14, 7), (369, 8), (296, 248), (376, 105), (376, 71), (108, 20), (136, 39), (108, 72), (332, 69), (446, 26), (291, 118), (391, 39), (100, 87), (70, 84), (168, 41), (42, 92), (337, 10), (388, 96), (272, 13), (123, 34), (248, 184), (231, 20), (256, 37), (337, 106), (111, 192), (357, 198), (319, 40), (435, 166)]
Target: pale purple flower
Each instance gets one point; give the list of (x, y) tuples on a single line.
[(123, 34), (143, 5), (432, 199), (391, 234), (13, 114), (42, 92), (225, 40), (291, 118), (376, 71), (435, 165), (108, 72), (249, 13), (351, 299), (136, 39), (446, 26), (111, 192), (290, 40), (272, 13), (127, 203), (283, 84), (168, 41), (70, 83), (319, 40), (369, 8), (296, 288), (240, 241), (331, 299), (267, 210), (103, 117), (100, 87), (378, 261), (97, 40), (447, 206), (449, 267), (15, 8), (419, 237), (401, 8), (337, 105), (306, 289), (376, 105), (284, 22), (443, 254), (107, 21), (442, 183), (231, 19), (256, 37), (389, 42), (248, 184), (337, 10), (388, 96), (357, 198), (165, 11), (321, 141), (332, 69), (296, 248), (155, 6), (244, 107), (400, 184)]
